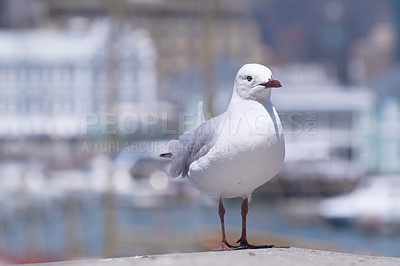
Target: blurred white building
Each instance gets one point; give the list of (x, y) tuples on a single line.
[(50, 81), (329, 128)]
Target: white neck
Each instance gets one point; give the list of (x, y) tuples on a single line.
[(265, 98)]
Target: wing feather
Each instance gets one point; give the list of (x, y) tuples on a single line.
[(192, 146)]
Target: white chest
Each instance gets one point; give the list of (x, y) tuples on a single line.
[(249, 151)]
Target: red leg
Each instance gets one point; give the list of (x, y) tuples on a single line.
[(245, 209), (243, 244), (221, 211)]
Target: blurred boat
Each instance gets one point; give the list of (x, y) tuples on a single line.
[(374, 206)]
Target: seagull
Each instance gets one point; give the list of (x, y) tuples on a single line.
[(232, 154)]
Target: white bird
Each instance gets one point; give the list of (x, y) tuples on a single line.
[(234, 153)]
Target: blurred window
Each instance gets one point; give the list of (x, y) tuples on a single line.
[(34, 74), (341, 120)]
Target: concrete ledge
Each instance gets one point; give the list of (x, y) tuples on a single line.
[(274, 256)]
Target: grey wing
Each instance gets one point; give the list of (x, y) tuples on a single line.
[(192, 146)]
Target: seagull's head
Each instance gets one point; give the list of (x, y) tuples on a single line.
[(254, 82)]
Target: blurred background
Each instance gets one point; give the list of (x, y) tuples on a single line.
[(91, 90)]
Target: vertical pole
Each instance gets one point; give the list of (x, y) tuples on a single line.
[(209, 52), (115, 11), (396, 11)]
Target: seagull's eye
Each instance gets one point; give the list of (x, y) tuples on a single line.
[(249, 78)]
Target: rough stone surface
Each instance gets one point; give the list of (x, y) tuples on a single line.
[(273, 256)]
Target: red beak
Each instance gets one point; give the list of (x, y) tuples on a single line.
[(272, 83)]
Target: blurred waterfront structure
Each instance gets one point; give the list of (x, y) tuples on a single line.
[(187, 34), (77, 77), (329, 131), (181, 29), (50, 82), (333, 33)]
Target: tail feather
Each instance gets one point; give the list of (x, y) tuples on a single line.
[(169, 148), (166, 155), (174, 148)]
